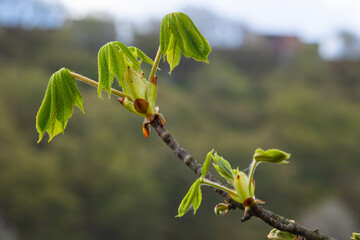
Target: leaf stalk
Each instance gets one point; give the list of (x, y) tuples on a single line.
[(96, 84), (156, 64), (215, 185)]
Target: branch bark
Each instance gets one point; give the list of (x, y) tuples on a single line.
[(267, 216)]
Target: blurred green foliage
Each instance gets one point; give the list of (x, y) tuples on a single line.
[(104, 180)]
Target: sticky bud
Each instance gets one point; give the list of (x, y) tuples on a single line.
[(151, 92), (141, 105), (276, 234), (121, 100), (154, 80), (146, 129), (221, 209)]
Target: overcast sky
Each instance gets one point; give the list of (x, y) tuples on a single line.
[(310, 19)]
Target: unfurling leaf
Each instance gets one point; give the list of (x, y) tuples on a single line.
[(206, 164), (113, 59), (179, 34), (111, 63), (57, 106), (193, 197), (271, 156), (223, 167), (140, 54)]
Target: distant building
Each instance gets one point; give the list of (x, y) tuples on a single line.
[(284, 47), (281, 48)]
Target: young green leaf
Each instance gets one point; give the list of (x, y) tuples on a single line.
[(173, 53), (111, 64), (132, 61), (271, 156), (140, 54), (193, 197), (179, 34), (206, 164), (113, 59), (57, 106), (223, 167), (197, 199)]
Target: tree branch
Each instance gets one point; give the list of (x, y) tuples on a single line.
[(267, 216)]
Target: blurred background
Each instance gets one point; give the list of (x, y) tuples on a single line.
[(282, 75)]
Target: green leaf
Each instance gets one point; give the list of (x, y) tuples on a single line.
[(113, 59), (192, 197), (271, 156), (57, 106), (165, 33), (105, 77), (178, 34), (173, 53), (111, 63), (223, 167), (197, 199), (132, 61), (206, 164), (140, 54)]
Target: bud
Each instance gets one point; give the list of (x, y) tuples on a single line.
[(141, 105), (221, 209), (151, 92), (280, 235), (356, 236), (271, 156), (134, 84), (244, 194), (129, 105), (146, 129), (142, 94)]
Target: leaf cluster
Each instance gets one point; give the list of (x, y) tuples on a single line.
[(178, 34), (113, 59), (57, 106)]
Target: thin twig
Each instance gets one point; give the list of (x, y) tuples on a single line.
[(267, 216)]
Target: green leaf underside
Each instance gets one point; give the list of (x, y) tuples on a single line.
[(206, 164), (106, 77), (57, 106), (113, 59), (164, 34), (173, 53), (192, 197), (271, 155), (186, 37), (140, 54), (223, 174), (131, 58), (223, 167), (197, 200)]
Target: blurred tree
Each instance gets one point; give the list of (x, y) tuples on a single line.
[(91, 182)]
